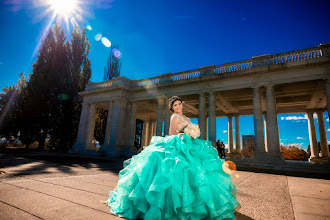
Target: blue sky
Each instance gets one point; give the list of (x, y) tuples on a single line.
[(157, 37)]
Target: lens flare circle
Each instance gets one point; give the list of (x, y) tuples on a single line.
[(229, 167), (106, 42), (98, 37), (88, 27), (116, 53)]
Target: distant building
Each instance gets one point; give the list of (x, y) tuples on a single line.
[(248, 145)]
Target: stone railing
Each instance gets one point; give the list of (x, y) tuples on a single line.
[(90, 86), (296, 55), (185, 75), (263, 60), (148, 82), (225, 68)]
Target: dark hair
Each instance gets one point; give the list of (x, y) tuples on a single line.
[(171, 102)]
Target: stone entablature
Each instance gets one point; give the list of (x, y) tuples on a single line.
[(263, 86)]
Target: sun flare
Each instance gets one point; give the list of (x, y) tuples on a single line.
[(63, 7)]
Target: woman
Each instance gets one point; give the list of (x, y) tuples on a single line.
[(175, 177)]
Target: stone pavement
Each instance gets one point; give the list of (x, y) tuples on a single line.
[(36, 189)]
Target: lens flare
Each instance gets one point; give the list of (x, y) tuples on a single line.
[(65, 7), (63, 96), (98, 37), (116, 53), (106, 42), (88, 27), (229, 167)]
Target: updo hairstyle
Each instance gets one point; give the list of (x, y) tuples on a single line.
[(171, 102)]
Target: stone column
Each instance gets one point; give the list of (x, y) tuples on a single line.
[(212, 119), (259, 152), (160, 116), (265, 124), (323, 136), (151, 130), (121, 138), (327, 89), (238, 152), (146, 132), (114, 129), (202, 116), (167, 118), (312, 138), (230, 136), (132, 128), (274, 152), (90, 127), (82, 128), (108, 126)]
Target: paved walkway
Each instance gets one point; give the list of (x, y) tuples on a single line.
[(35, 189)]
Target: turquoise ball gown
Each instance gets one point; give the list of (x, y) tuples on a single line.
[(175, 177)]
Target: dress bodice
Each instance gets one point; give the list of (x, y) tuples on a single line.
[(183, 122)]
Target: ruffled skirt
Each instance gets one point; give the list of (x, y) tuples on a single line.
[(175, 177)]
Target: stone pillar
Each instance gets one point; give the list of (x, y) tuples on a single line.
[(132, 128), (212, 119), (238, 151), (167, 118), (230, 136), (121, 138), (327, 89), (79, 146), (323, 136), (265, 125), (202, 116), (151, 130), (114, 129), (160, 116), (90, 127), (274, 152), (259, 152), (312, 138), (108, 126), (146, 131)]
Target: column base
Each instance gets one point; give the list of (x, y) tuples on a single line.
[(235, 154), (318, 160), (76, 148), (267, 157)]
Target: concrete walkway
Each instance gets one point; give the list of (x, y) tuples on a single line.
[(35, 189)]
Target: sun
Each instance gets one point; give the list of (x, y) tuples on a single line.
[(63, 7)]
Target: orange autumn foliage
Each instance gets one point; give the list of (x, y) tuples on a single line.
[(293, 153)]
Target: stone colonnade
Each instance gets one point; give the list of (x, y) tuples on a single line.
[(120, 128)]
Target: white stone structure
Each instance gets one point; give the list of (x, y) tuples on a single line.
[(292, 82)]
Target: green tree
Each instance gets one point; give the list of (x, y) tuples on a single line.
[(51, 104), (9, 109), (112, 68)]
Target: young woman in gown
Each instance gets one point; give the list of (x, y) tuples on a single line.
[(175, 177)]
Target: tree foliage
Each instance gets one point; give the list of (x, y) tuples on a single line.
[(49, 106), (293, 153), (112, 68)]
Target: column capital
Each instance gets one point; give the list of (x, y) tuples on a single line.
[(310, 112), (230, 115), (236, 115), (161, 99), (319, 111), (269, 85)]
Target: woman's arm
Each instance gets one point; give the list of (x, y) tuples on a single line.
[(174, 125)]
